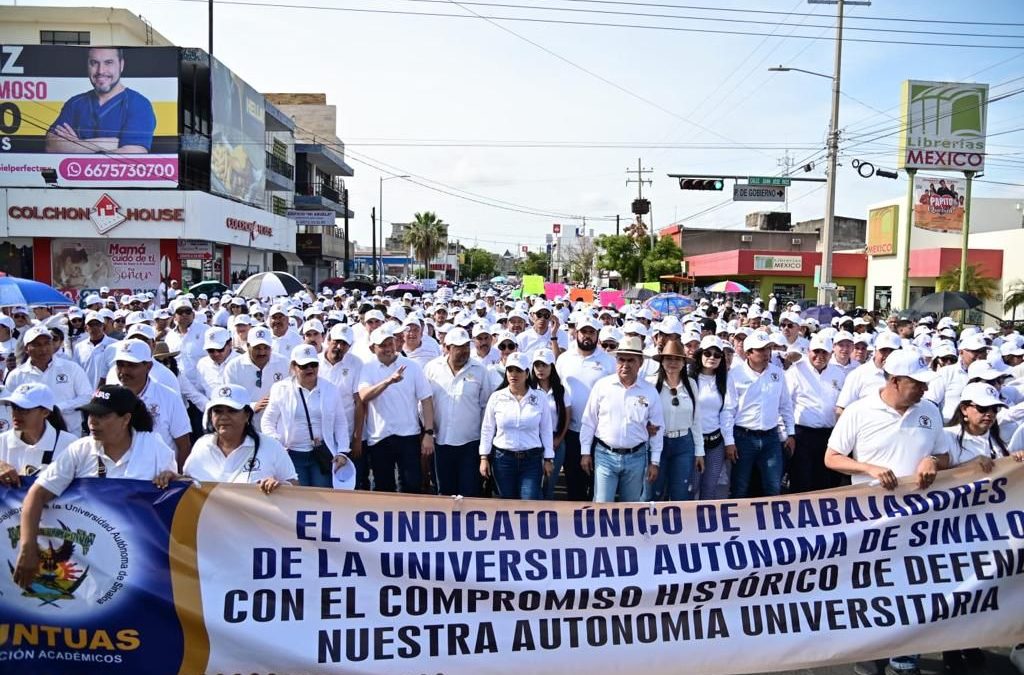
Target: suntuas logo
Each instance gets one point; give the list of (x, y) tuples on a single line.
[(59, 574)]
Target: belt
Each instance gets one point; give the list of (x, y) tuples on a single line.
[(757, 432), (623, 451), (677, 434), (712, 439), (518, 454)]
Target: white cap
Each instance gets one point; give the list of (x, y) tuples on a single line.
[(456, 337), (379, 335), (981, 393), (312, 325), (712, 342), (1011, 348), (341, 332), (143, 329), (374, 315), (689, 337), (93, 299), (986, 371), (609, 333), (841, 336), (973, 342), (544, 356), (635, 327), (504, 336), (259, 336), (31, 395), (587, 321), (669, 326), (909, 363), (303, 354), (231, 395), (888, 340), (517, 360), (820, 342), (133, 351), (756, 340), (216, 338)]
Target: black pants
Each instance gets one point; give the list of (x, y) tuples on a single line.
[(401, 453), (578, 485), (807, 470)]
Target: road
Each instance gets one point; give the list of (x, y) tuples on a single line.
[(931, 664)]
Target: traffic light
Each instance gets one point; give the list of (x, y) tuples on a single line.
[(701, 184)]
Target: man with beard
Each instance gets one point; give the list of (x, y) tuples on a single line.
[(580, 369), (111, 118)]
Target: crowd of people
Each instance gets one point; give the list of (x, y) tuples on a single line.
[(477, 393)]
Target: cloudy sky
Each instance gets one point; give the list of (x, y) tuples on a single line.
[(518, 124)]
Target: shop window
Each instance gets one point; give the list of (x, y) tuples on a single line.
[(883, 298), (63, 37), (788, 292)]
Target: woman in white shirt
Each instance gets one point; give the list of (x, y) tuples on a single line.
[(517, 431), (712, 372), (973, 433), (121, 444), (38, 436), (232, 451), (683, 450), (547, 380), (304, 414)]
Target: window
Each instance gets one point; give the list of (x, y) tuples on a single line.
[(279, 205), (883, 298), (63, 37), (788, 292)]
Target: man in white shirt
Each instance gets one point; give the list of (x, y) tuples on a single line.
[(868, 378), (544, 333), (757, 408), (484, 352), (945, 389), (888, 435), (186, 338), (257, 370), (93, 353), (219, 353), (418, 347), (842, 352), (341, 367), (814, 384), (64, 377), (623, 423), (460, 389), (580, 369), (390, 388), (285, 338)]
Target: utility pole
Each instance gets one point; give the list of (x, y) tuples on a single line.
[(345, 271), (786, 162), (373, 239), (638, 209)]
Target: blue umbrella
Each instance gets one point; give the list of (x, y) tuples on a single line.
[(669, 303), (15, 291), (823, 314)]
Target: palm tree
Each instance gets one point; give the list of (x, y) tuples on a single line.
[(983, 288), (1014, 297), (426, 235)]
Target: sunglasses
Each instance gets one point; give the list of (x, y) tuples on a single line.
[(308, 366), (543, 315), (947, 359), (609, 345), (787, 324), (713, 354), (184, 310), (985, 409), (675, 396), (507, 347)]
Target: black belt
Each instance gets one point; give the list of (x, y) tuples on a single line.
[(623, 451), (712, 439), (519, 454), (757, 432)]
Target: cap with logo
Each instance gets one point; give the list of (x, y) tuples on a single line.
[(216, 338), (259, 336), (111, 399), (909, 363), (133, 351), (456, 337), (517, 360), (304, 354), (30, 395), (888, 340), (756, 340), (340, 332), (379, 335), (544, 356), (981, 394)]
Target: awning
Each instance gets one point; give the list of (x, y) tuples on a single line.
[(290, 258)]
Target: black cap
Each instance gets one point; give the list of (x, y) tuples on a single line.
[(111, 399)]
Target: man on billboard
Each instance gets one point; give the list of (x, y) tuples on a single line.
[(110, 118)]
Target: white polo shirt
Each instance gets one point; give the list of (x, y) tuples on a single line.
[(874, 433), (170, 420), (20, 455), (459, 400), (395, 411), (758, 401), (945, 389), (517, 424), (65, 378), (345, 376), (243, 372), (970, 447), (147, 457), (815, 393), (580, 373), (208, 462), (864, 381)]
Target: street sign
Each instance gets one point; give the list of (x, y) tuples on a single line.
[(769, 180), (831, 286), (758, 193), (557, 228)]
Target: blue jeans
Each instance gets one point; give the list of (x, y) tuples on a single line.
[(401, 453), (675, 473), (549, 483), (518, 474), (621, 474), (309, 471), (712, 484), (763, 449), (457, 469)]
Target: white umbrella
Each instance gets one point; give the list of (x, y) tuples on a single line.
[(269, 285)]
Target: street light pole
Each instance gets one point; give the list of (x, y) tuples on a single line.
[(828, 228)]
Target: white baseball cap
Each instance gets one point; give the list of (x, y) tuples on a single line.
[(31, 395), (909, 363), (888, 340), (36, 332), (314, 325), (517, 360), (259, 336), (712, 342), (340, 332), (981, 393), (842, 336), (456, 337), (973, 342), (1011, 348), (820, 342), (756, 340), (216, 338), (379, 335), (374, 315), (231, 395), (143, 329), (133, 351), (303, 354), (986, 371), (544, 356)]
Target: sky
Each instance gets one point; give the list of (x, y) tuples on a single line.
[(520, 124)]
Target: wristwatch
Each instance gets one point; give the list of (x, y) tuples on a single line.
[(428, 432)]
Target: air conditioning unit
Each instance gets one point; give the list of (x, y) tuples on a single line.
[(796, 241), (684, 267), (746, 238)]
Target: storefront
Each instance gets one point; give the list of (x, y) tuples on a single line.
[(789, 276), (131, 240)]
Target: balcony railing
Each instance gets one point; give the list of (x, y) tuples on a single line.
[(280, 166)]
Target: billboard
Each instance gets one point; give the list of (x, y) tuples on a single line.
[(939, 203), (943, 126), (88, 116), (778, 263), (82, 266), (238, 152), (882, 224)]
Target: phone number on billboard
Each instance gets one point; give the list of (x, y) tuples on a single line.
[(140, 168)]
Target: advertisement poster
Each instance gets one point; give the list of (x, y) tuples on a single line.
[(939, 203), (238, 154), (943, 126), (83, 266), (89, 116), (882, 225)]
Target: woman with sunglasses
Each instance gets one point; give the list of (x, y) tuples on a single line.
[(516, 434), (683, 449), (304, 413), (38, 435), (232, 451), (711, 373), (506, 345), (546, 379), (943, 355)]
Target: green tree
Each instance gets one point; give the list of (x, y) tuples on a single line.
[(622, 254), (535, 263), (478, 263), (426, 236), (983, 288), (1014, 297), (662, 259), (580, 257)]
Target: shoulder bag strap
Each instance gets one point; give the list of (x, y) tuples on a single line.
[(48, 455), (305, 408)]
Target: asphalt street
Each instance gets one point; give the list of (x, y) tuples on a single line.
[(997, 663)]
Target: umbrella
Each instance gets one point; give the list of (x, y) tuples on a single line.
[(727, 287), (498, 280), (669, 303), (823, 314), (945, 302), (15, 291), (402, 289), (270, 285), (333, 283), (211, 288), (637, 293)]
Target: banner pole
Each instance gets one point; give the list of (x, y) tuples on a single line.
[(907, 229), (966, 231)]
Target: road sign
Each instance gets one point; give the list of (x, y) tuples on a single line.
[(758, 193), (769, 180), (832, 286)]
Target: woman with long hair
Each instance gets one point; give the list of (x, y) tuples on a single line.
[(232, 451), (121, 444), (546, 379), (516, 436), (683, 449), (711, 374), (38, 435)]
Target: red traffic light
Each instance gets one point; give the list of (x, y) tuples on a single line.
[(701, 183)]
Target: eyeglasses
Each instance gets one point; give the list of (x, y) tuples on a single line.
[(787, 324), (183, 310), (507, 347), (985, 409), (259, 378), (713, 355), (543, 315), (675, 395), (609, 346), (307, 366)]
